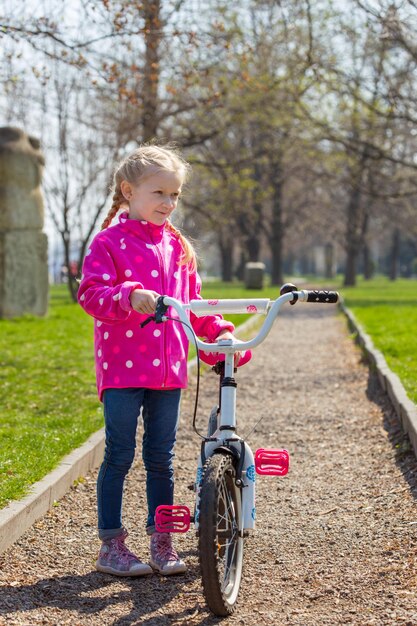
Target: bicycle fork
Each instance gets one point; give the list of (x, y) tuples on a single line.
[(244, 478)]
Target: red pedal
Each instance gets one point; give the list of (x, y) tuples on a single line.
[(272, 462), (172, 518)]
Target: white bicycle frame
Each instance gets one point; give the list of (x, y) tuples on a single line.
[(225, 436)]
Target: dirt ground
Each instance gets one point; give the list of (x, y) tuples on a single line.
[(336, 538)]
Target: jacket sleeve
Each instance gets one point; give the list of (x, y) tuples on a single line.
[(99, 293), (208, 326)]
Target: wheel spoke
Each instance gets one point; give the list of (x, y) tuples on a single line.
[(229, 547)]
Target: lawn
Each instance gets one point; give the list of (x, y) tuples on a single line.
[(48, 403), (388, 313)]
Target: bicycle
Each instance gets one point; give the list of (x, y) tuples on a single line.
[(225, 482)]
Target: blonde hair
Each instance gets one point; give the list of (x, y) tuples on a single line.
[(143, 162)]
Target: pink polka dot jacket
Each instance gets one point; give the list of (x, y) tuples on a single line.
[(131, 255)]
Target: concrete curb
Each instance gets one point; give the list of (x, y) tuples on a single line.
[(20, 515), (405, 409)]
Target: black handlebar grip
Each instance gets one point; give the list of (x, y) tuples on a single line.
[(326, 297), (161, 309)]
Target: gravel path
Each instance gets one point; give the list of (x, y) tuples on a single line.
[(336, 538)]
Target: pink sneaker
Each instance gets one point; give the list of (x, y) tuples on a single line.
[(164, 558), (115, 558)]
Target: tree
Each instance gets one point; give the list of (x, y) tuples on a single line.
[(76, 185)]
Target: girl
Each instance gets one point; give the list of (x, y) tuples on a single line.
[(127, 267)]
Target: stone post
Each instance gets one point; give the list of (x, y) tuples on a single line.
[(23, 246), (254, 275)]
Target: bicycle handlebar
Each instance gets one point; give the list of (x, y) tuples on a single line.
[(322, 296), (204, 307)]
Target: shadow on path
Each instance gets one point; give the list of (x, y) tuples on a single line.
[(404, 453), (90, 594)]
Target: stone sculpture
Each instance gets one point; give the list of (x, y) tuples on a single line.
[(23, 245)]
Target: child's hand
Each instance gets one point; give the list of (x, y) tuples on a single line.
[(144, 301), (226, 334)]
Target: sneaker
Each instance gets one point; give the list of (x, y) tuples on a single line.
[(115, 558), (164, 558)]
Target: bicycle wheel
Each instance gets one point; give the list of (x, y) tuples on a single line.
[(220, 544), (212, 421)]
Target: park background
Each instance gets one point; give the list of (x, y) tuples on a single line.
[(299, 120)]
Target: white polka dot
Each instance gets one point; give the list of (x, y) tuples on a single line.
[(176, 275), (106, 276), (106, 335), (156, 362), (143, 222), (123, 246), (156, 333), (105, 366), (128, 273), (123, 220), (99, 353), (99, 323), (154, 273), (82, 298), (129, 364), (117, 296), (88, 251), (149, 245), (101, 301), (129, 333)]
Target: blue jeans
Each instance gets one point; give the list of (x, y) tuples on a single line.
[(160, 410)]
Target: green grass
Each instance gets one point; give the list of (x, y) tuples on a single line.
[(48, 403), (388, 313)]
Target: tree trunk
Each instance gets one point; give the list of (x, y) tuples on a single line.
[(277, 276), (250, 222), (240, 271), (253, 246), (153, 34), (226, 247), (353, 237), (395, 252), (367, 262), (253, 240), (350, 269), (368, 269), (72, 283), (276, 234)]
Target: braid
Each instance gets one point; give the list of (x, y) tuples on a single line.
[(188, 252), (118, 200)]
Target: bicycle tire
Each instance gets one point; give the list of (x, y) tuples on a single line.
[(220, 544), (213, 421)]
